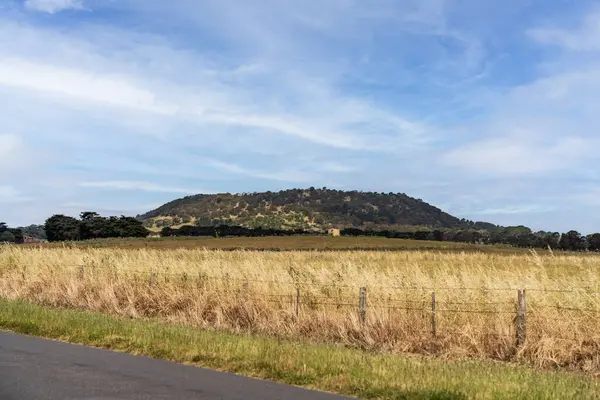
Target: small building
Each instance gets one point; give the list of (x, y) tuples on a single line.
[(30, 239), (334, 232)]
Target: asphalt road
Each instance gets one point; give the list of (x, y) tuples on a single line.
[(32, 369)]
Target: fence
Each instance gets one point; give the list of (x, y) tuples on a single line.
[(300, 298)]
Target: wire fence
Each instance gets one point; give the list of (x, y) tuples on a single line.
[(298, 296)]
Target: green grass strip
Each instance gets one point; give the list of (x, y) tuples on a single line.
[(324, 367)]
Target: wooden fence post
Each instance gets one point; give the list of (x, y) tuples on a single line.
[(199, 281), (80, 273), (297, 302), (362, 304), (521, 320), (433, 322), (246, 289)]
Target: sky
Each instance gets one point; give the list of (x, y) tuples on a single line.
[(487, 109)]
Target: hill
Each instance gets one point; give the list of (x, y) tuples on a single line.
[(311, 209)]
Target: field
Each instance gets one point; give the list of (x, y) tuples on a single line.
[(287, 243), (314, 297)]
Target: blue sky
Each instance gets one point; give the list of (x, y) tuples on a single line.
[(489, 110)]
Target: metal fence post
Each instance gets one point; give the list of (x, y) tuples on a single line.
[(433, 322), (362, 304), (521, 320)]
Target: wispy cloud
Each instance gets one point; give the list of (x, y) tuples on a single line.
[(523, 209), (519, 155), (9, 143), (79, 85), (586, 196), (103, 209), (332, 166), (283, 175), (53, 6), (586, 37), (320, 114), (123, 106), (140, 186), (9, 194)]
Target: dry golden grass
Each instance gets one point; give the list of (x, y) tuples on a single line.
[(286, 243), (255, 291)]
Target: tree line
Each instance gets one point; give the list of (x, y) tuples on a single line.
[(230, 230), (91, 225), (517, 236), (10, 235)]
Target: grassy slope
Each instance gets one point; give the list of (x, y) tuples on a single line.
[(335, 369), (294, 243)]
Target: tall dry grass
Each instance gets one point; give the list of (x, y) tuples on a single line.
[(255, 291)]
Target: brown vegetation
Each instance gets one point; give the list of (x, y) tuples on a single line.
[(256, 291), (288, 243)]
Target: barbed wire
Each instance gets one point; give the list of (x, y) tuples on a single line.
[(583, 289), (329, 304), (403, 308), (476, 303), (562, 308), (384, 303), (473, 311)]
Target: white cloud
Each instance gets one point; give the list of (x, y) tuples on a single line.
[(518, 155), (584, 38), (114, 209), (291, 91), (522, 209), (75, 70), (9, 194), (546, 126), (283, 175), (81, 85), (53, 6), (140, 186), (589, 196), (13, 157), (332, 166), (9, 143)]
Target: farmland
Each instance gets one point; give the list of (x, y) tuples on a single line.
[(314, 296), (286, 243)]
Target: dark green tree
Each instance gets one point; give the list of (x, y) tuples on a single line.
[(572, 241), (35, 231), (18, 235), (7, 236), (594, 242), (11, 235), (127, 227), (92, 226), (61, 228)]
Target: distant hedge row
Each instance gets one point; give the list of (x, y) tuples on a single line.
[(227, 230), (514, 236)]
